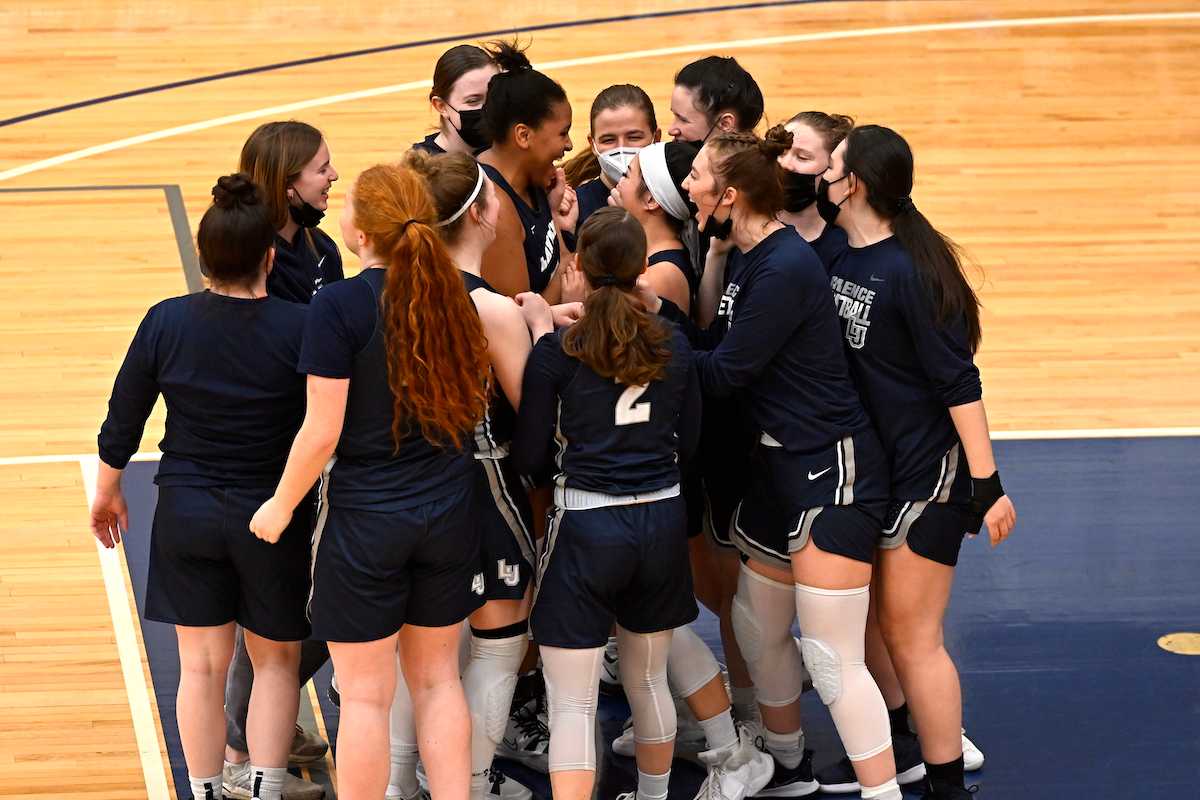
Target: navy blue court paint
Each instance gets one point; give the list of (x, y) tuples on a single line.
[(1065, 688), (463, 37)]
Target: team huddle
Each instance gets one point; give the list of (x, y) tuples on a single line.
[(491, 474)]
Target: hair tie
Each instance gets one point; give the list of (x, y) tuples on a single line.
[(406, 223), (605, 280), (904, 204)]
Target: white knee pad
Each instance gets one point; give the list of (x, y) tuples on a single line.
[(488, 682), (763, 610), (690, 663), (572, 686), (833, 626), (644, 678)]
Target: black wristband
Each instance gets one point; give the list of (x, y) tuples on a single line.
[(985, 492)]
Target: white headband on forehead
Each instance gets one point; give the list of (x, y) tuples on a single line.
[(471, 199), (656, 176)]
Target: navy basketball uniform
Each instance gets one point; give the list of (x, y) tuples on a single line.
[(311, 260), (817, 471), (396, 541), (616, 547), (591, 196), (507, 549), (226, 368), (537, 224), (909, 369), (430, 145)]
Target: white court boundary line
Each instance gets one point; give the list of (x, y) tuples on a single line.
[(735, 44), (997, 436), (144, 730)]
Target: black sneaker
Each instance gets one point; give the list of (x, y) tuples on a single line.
[(841, 779), (334, 695), (795, 782)]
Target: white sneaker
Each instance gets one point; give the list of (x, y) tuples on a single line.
[(689, 740), (505, 787), (235, 781), (972, 755), (740, 772), (610, 672)]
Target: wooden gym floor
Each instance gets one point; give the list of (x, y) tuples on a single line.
[(1057, 141)]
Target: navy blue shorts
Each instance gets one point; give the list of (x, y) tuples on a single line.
[(726, 444), (207, 568), (376, 571), (627, 564), (932, 530), (836, 497), (507, 549)]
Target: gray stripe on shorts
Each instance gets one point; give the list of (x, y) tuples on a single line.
[(752, 549), (799, 537), (848, 490), (318, 530), (898, 533), (951, 472), (544, 561)]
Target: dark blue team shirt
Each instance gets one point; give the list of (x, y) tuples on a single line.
[(591, 197), (909, 369), (343, 339), (226, 368), (776, 345), (541, 237), (610, 438), (681, 259), (301, 267), (429, 145), (830, 244)]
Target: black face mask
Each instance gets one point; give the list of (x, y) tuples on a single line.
[(799, 191), (825, 207), (718, 230), (305, 215), (471, 131)]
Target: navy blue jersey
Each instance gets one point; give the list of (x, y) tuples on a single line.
[(429, 145), (829, 245), (681, 259), (591, 197), (541, 237), (610, 438), (908, 367), (301, 267), (775, 342), (494, 432), (226, 367), (344, 339)]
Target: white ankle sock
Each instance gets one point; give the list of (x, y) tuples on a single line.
[(652, 787), (206, 788), (719, 731), (884, 791), (788, 748), (745, 706), (266, 783)]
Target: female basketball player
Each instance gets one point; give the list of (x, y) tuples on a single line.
[(460, 82), (809, 521), (290, 162), (468, 206), (911, 322), (622, 122), (618, 393), (225, 362), (397, 365), (713, 94), (528, 122)]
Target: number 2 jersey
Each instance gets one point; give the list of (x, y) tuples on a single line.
[(606, 437)]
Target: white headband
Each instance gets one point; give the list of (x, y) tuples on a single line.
[(653, 160), (467, 204)]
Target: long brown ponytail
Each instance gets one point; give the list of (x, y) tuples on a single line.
[(436, 351), (616, 338)]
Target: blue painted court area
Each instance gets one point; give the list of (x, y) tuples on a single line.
[(1065, 689)]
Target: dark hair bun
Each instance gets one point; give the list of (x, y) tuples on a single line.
[(777, 142), (236, 190), (509, 56)]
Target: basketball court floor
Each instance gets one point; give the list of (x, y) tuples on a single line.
[(1059, 142)]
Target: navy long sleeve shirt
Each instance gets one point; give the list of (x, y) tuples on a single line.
[(610, 438), (909, 368), (300, 270), (776, 344), (226, 368)]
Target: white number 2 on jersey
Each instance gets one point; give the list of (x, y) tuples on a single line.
[(629, 410)]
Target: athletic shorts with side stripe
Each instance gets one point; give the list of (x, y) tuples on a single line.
[(934, 526), (624, 563), (506, 546), (837, 497)]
